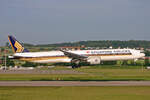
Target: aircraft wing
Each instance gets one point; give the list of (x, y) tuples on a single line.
[(73, 55)]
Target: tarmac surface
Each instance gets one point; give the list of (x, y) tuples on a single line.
[(74, 83)]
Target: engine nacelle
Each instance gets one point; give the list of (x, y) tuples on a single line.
[(94, 60)]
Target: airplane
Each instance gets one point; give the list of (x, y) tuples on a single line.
[(73, 57)]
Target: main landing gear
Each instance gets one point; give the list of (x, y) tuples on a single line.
[(75, 66), (75, 63)]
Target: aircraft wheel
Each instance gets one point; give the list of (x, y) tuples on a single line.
[(78, 66), (73, 66)]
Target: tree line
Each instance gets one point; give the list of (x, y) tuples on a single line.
[(100, 43)]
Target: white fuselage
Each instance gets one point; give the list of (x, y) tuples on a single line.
[(58, 56)]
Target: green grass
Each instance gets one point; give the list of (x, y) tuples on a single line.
[(92, 75), (75, 93), (88, 74)]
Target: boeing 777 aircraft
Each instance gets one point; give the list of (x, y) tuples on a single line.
[(74, 57)]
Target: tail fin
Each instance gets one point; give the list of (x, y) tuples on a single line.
[(16, 45)]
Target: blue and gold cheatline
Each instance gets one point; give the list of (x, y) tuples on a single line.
[(16, 46)]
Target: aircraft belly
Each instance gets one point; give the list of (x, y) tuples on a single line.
[(53, 61)]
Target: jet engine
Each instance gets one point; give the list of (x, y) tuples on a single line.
[(94, 60)]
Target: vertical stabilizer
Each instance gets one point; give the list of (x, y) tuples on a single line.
[(16, 45)]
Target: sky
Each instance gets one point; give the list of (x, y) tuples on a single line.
[(56, 21)]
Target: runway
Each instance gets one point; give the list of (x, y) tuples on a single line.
[(74, 83)]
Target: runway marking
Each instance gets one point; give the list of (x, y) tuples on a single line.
[(74, 83)]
